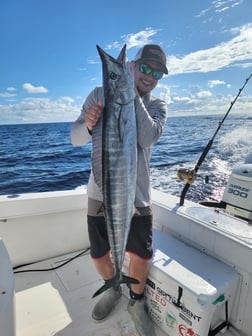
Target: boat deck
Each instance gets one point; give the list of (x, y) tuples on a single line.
[(59, 302)]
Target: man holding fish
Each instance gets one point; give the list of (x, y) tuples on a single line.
[(124, 121)]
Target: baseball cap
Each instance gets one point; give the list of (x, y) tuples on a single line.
[(153, 52)]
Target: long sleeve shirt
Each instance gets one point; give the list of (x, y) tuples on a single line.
[(151, 114)]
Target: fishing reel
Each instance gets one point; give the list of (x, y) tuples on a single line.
[(189, 175), (186, 175)]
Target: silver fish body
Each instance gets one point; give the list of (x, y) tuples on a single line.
[(119, 157)]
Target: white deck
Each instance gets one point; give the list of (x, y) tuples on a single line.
[(60, 302)]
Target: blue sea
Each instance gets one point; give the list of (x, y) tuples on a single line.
[(40, 157)]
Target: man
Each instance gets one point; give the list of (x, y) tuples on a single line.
[(151, 113)]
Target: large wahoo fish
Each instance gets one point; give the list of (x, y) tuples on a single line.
[(119, 158)]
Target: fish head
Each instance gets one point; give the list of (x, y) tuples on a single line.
[(118, 77)]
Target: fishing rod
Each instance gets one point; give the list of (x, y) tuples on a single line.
[(189, 175)]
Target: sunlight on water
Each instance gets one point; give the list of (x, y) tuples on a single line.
[(236, 145), (230, 150)]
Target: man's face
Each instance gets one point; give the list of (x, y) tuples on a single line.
[(145, 83)]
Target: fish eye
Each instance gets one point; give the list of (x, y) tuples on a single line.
[(113, 75)]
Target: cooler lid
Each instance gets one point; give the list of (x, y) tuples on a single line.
[(202, 275)]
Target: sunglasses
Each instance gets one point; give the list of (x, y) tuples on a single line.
[(147, 70)]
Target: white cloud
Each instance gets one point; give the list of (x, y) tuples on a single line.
[(135, 39), (222, 5), (165, 92), (231, 53), (236, 52), (114, 45), (195, 101), (7, 95), (181, 99), (213, 83), (140, 38), (39, 110), (34, 89), (219, 6), (204, 94), (213, 105), (222, 9), (68, 100), (203, 102)]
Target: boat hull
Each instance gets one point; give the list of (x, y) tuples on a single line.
[(37, 227)]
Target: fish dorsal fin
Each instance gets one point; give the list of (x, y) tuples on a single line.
[(106, 57), (122, 56)]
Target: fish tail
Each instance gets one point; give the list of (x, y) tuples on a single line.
[(115, 282)]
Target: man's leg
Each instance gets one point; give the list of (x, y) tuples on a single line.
[(138, 269), (100, 253), (111, 296), (140, 250), (104, 266)]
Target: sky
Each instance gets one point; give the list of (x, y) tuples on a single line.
[(49, 62)]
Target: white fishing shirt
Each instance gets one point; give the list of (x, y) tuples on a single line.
[(151, 115)]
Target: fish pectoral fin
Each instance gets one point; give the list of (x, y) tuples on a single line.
[(122, 125), (108, 284), (115, 281), (129, 280)]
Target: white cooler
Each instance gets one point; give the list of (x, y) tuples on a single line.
[(188, 292)]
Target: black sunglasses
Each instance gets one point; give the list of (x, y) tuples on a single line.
[(147, 70)]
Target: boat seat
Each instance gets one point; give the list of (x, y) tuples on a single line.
[(7, 306)]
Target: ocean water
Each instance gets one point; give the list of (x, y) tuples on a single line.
[(40, 157)]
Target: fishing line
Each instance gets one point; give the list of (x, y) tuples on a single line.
[(189, 175), (50, 268)]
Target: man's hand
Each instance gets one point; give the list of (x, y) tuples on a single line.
[(92, 115)]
